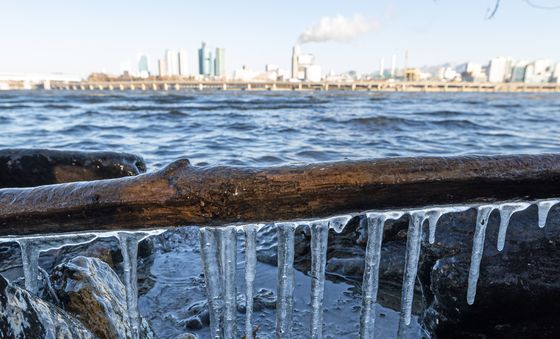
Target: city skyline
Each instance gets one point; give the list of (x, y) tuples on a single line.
[(342, 36)]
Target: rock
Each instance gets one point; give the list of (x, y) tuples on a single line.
[(90, 289), (23, 315), (518, 289), (36, 167)]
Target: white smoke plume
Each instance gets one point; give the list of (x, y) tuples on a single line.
[(338, 28)]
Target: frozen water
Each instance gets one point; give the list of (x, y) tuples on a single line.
[(506, 211), (319, 241), (228, 250), (209, 254), (413, 246), (285, 301), (477, 249), (544, 207), (375, 225), (250, 271)]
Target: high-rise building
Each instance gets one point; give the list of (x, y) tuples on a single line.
[(205, 63), (220, 62), (499, 69), (183, 63), (381, 67), (143, 66), (172, 62), (162, 68), (295, 62)]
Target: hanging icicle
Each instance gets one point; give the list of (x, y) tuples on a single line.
[(413, 246), (129, 248), (435, 214), (506, 211), (319, 241), (250, 271), (228, 250), (30, 264), (209, 254), (128, 242), (375, 226), (544, 207), (477, 249), (285, 300)]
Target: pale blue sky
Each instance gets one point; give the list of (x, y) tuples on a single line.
[(79, 37)]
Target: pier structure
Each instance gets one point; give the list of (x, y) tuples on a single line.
[(357, 86)]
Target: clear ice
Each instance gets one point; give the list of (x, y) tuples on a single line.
[(228, 250), (375, 225), (319, 240), (285, 297), (506, 211), (477, 248), (250, 271), (209, 253), (413, 246), (544, 207)]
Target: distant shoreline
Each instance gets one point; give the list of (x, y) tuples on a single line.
[(358, 86)]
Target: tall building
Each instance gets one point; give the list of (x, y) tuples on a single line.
[(220, 62), (499, 69), (183, 63), (295, 62), (172, 62), (162, 68), (143, 66), (394, 66), (381, 67), (204, 60)]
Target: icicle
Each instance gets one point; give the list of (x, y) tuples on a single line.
[(544, 207), (129, 248), (370, 284), (339, 222), (413, 246), (433, 218), (506, 211), (285, 301), (128, 242), (209, 254), (30, 263), (319, 241), (435, 214), (477, 249), (228, 254), (250, 271)]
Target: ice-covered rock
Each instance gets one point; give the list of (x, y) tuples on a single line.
[(90, 289), (22, 315)]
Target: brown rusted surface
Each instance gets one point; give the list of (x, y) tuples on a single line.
[(181, 194)]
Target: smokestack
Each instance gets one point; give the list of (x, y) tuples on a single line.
[(295, 62)]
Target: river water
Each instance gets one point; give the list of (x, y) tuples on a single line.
[(268, 129)]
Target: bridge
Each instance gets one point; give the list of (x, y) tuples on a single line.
[(367, 86)]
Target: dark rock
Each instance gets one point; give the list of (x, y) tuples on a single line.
[(90, 289), (23, 315), (518, 289), (36, 167)]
